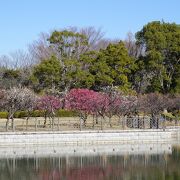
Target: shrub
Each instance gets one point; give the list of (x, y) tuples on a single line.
[(37, 113), (20, 114), (40, 113), (66, 113), (3, 115)]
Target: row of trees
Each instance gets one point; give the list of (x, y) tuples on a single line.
[(83, 58), (100, 105)]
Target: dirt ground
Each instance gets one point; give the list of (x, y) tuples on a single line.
[(61, 124), (64, 124)]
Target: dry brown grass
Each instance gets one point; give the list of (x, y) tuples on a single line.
[(65, 124)]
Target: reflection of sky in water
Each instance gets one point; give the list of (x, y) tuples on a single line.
[(105, 164)]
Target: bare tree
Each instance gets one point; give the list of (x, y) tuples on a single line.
[(21, 59), (16, 60), (93, 35), (40, 49), (5, 62), (134, 49)]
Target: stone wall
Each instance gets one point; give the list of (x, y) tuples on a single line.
[(88, 137), (42, 144), (40, 151)]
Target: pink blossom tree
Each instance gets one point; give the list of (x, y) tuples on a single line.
[(82, 101), (100, 106), (49, 104), (114, 102), (90, 102)]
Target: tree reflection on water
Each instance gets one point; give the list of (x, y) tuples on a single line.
[(102, 167)]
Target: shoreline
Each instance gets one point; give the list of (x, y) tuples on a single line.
[(88, 143), (41, 151), (89, 137)]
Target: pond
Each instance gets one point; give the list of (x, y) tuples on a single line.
[(135, 165)]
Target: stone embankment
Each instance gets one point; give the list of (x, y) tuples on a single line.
[(89, 137), (56, 144)]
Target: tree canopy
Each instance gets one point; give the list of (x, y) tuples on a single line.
[(82, 58), (161, 42)]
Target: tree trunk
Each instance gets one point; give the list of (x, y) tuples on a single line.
[(84, 120), (102, 123), (35, 123), (151, 121), (110, 124), (45, 120), (164, 123), (157, 122), (58, 124), (93, 122), (123, 122), (27, 120), (119, 120), (143, 121), (7, 123), (10, 116), (52, 123), (13, 125), (138, 121), (97, 119), (80, 123)]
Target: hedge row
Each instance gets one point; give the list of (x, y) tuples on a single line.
[(38, 113)]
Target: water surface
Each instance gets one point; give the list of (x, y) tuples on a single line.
[(101, 166)]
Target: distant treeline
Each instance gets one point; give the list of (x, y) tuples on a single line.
[(83, 58)]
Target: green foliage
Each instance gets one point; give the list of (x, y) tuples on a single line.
[(3, 115), (168, 115), (11, 73), (20, 114), (152, 65), (47, 73), (66, 113), (162, 52), (38, 113), (113, 66), (68, 43), (9, 77)]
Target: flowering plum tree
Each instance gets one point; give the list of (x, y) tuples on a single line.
[(154, 103), (100, 106), (49, 104), (17, 99), (29, 103), (110, 102), (82, 101)]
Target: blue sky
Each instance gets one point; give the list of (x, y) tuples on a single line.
[(21, 21)]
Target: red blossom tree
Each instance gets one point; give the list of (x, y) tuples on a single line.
[(89, 102), (82, 101)]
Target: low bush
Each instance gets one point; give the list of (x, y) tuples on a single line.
[(66, 113), (3, 115), (38, 113), (20, 114)]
